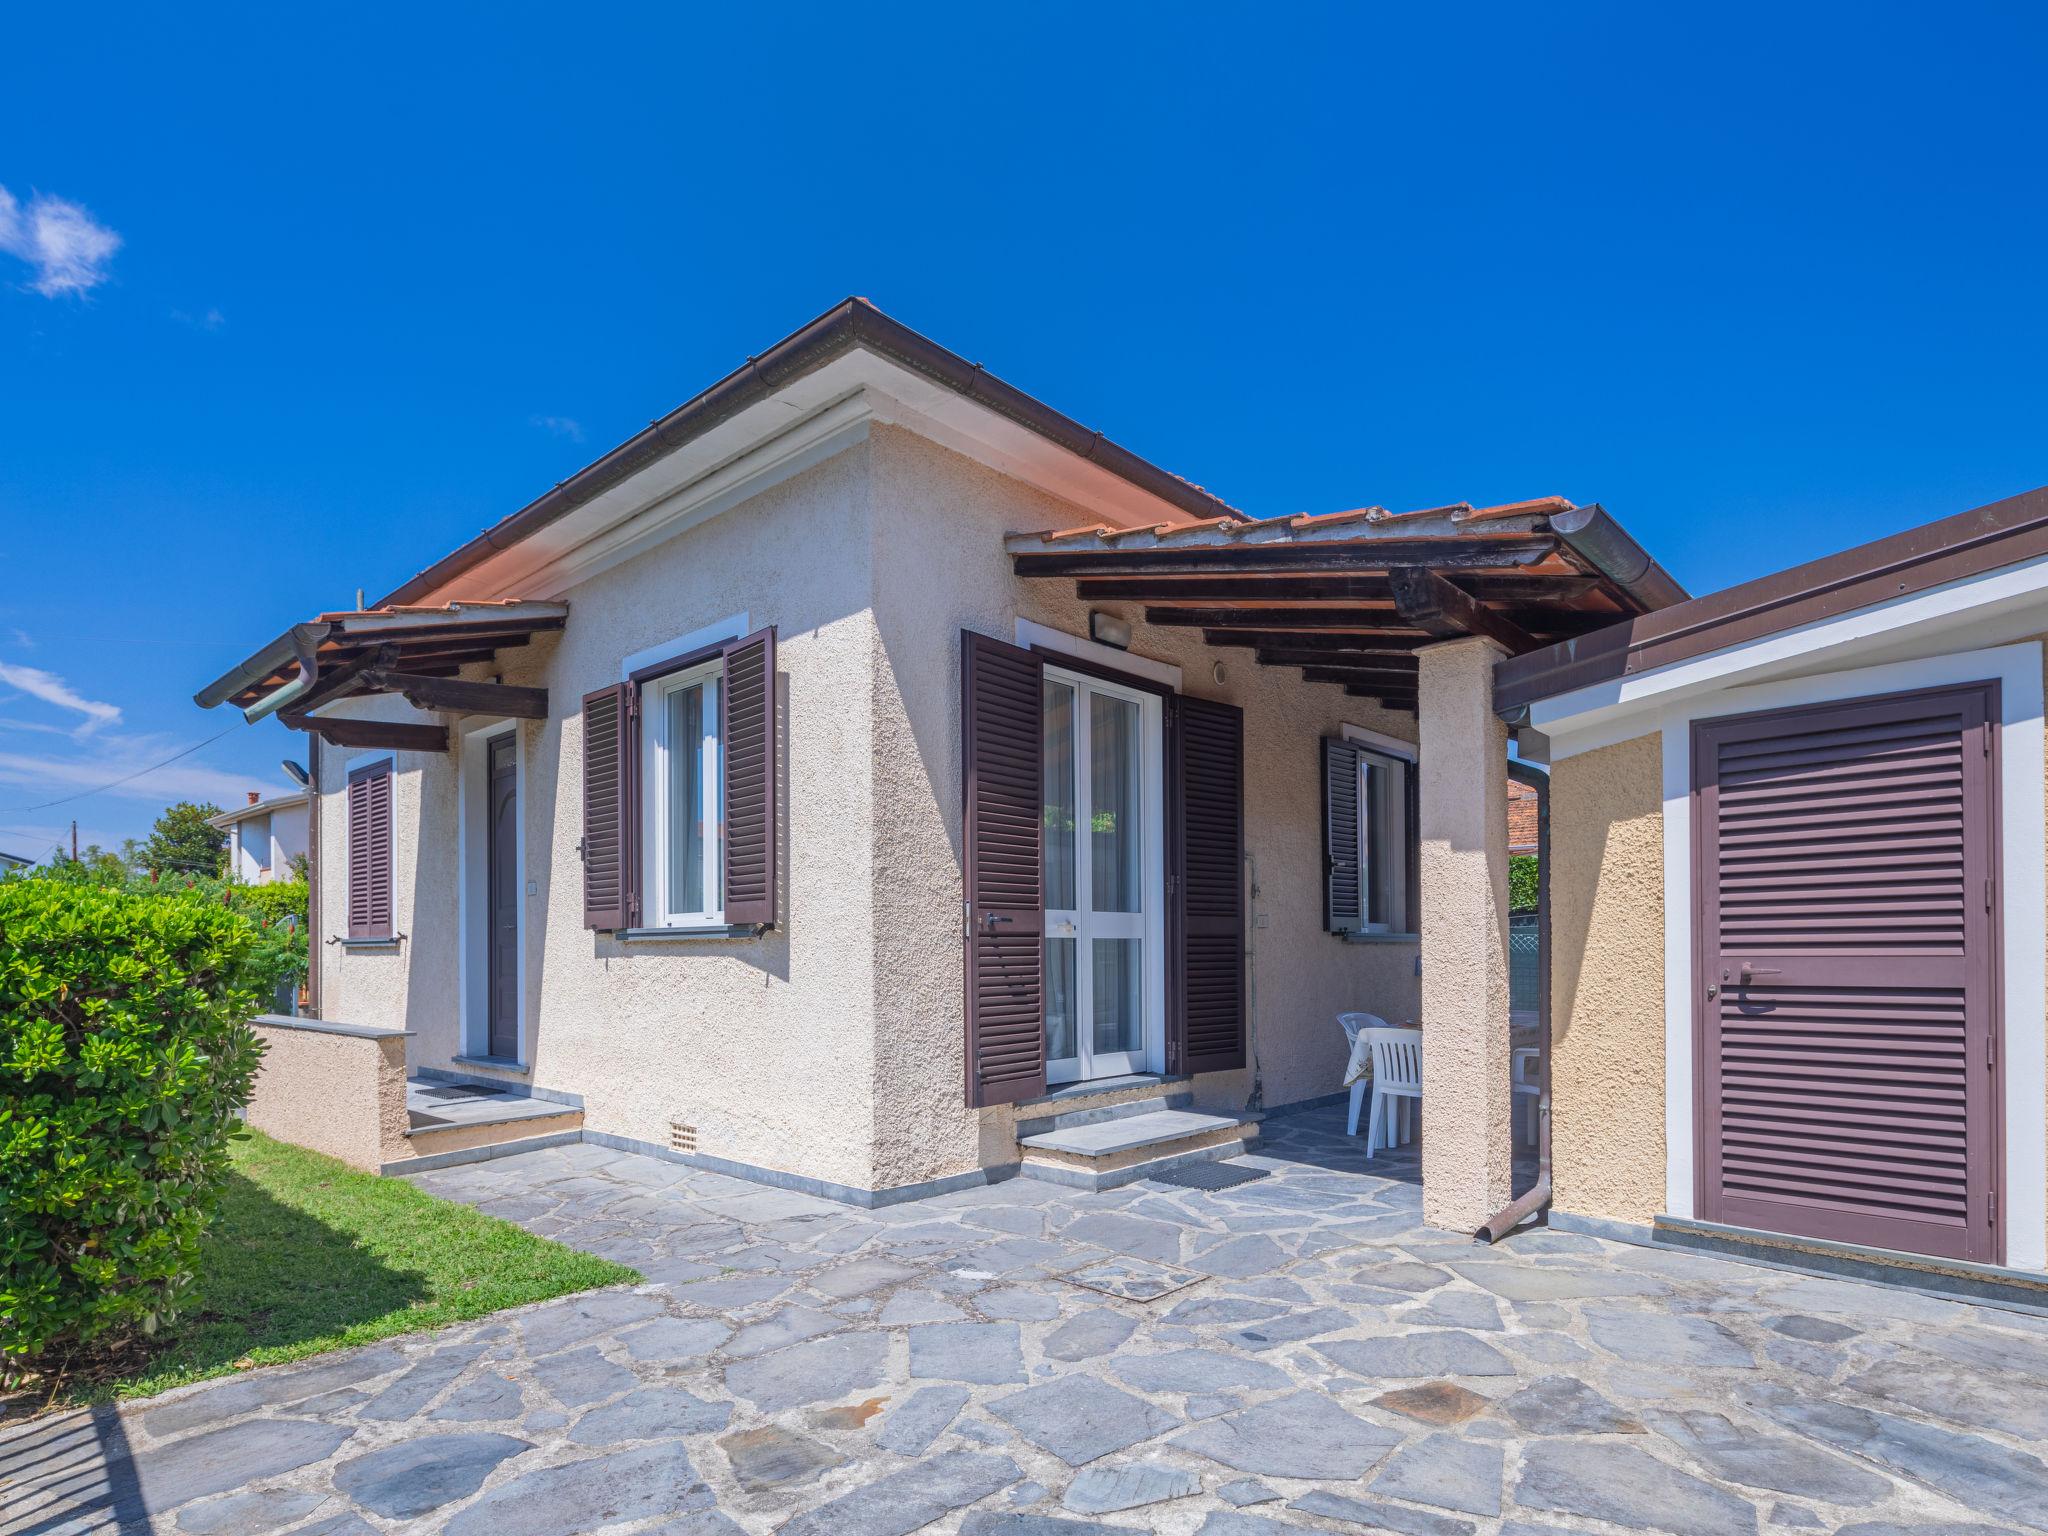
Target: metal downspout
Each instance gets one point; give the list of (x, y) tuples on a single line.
[(1519, 1210)]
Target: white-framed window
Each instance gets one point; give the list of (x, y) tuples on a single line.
[(1385, 842), (682, 736)]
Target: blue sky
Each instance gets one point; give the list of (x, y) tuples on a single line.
[(292, 301)]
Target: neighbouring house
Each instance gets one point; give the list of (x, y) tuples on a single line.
[(265, 836), (1523, 801), (870, 781), (13, 861)]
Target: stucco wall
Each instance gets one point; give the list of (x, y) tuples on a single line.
[(339, 1094), (938, 524), (832, 1047), (1607, 981), (765, 1046)]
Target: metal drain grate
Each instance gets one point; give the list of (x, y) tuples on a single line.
[(1209, 1176), (681, 1137)]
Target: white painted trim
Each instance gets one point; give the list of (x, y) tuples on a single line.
[(1152, 860), (1998, 606), (2023, 891), (729, 628), (654, 832), (472, 997), (1163, 673), (1387, 746)]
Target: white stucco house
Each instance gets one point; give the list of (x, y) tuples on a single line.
[(265, 836), (870, 781)]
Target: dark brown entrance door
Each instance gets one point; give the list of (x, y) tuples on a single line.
[(1846, 983), (502, 907)]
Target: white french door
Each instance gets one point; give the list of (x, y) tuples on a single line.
[(1104, 879)]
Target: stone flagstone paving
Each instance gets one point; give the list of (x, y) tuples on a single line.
[(988, 1364)]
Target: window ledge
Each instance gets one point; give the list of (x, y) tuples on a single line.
[(702, 931), (390, 943), (493, 1063), (1381, 938)]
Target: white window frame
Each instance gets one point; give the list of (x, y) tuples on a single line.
[(655, 751), (1151, 923), (1385, 754)]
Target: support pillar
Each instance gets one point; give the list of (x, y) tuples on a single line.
[(1467, 1125)]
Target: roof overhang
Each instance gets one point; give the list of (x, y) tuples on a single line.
[(1873, 576), (227, 819), (388, 649), (1350, 597), (806, 395)]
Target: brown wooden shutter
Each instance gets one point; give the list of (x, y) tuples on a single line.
[(1002, 724), (1210, 1002), (611, 771), (369, 851), (1343, 880), (749, 748), (1846, 943)]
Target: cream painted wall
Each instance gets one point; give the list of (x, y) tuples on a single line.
[(1607, 981), (832, 1047), (765, 1046), (939, 568)]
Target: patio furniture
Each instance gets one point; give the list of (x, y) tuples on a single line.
[(1358, 1070)]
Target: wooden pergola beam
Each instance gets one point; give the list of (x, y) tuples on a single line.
[(397, 735), (1178, 589), (1380, 555), (1429, 603), (1316, 620), (1317, 640), (467, 698), (1348, 661)]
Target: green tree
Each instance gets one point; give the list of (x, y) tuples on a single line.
[(184, 842)]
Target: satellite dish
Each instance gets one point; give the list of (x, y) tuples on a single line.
[(299, 775)]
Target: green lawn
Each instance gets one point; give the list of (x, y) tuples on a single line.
[(306, 1254)]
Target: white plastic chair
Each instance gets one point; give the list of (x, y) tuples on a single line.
[(1396, 1086), (1355, 1070)]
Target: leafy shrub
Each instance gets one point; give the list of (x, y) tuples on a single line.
[(124, 1054), (1522, 887)]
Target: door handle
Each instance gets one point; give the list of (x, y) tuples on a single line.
[(990, 919), (1751, 972)]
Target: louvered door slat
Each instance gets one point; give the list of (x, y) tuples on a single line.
[(749, 850), (1845, 953), (1002, 709), (1210, 754)]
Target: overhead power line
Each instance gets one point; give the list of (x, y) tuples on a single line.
[(97, 789)]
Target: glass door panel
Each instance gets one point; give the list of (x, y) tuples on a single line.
[(1096, 831)]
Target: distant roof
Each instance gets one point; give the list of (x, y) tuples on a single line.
[(259, 808), (15, 859)]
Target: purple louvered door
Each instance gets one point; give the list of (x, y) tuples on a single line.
[(1847, 1044)]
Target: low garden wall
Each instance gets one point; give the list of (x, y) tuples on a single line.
[(336, 1088)]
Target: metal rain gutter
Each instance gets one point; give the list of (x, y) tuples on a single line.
[(1611, 550), (300, 644)]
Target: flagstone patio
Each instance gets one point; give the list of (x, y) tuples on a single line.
[(1273, 1344)]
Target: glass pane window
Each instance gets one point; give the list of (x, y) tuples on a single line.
[(1385, 835), (1115, 839), (1062, 1001), (1119, 1004), (1060, 804), (685, 814)]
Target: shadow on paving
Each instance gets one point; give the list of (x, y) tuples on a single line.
[(86, 1478)]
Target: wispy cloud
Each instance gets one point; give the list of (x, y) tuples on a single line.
[(205, 320), (39, 776), (66, 245), (24, 639), (52, 689), (561, 426)]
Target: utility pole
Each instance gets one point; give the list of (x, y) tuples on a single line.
[(74, 839)]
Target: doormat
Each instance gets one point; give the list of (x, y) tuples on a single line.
[(1134, 1279), (1210, 1176)]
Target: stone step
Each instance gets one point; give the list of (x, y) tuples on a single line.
[(1110, 1138), (1095, 1114)]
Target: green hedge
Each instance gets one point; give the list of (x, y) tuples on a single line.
[(124, 1054), (1522, 889)]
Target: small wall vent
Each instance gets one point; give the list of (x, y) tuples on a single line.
[(681, 1137)]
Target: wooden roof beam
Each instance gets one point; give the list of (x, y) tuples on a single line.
[(461, 697), (399, 736), (1432, 604), (1377, 555), (1318, 640), (1334, 588)]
